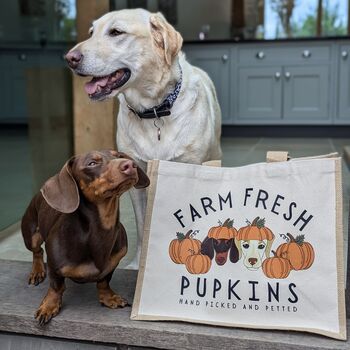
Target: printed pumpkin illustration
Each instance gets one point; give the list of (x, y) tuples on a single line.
[(254, 243), (300, 254), (220, 242), (183, 246), (198, 264), (223, 231), (276, 267)]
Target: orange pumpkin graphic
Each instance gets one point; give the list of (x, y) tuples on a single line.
[(183, 246), (300, 254), (255, 231), (224, 231), (276, 267), (198, 264)]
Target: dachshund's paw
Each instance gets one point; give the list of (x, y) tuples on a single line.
[(112, 300), (46, 311), (37, 276)]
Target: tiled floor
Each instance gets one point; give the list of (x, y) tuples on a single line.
[(236, 152)]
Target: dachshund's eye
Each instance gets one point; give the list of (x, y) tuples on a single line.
[(261, 246), (91, 31), (92, 163), (114, 32), (245, 245)]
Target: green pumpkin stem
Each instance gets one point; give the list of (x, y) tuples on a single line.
[(188, 234), (259, 223), (255, 221), (228, 223), (180, 236), (298, 239)]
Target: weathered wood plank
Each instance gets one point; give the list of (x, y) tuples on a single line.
[(82, 318), (19, 342)]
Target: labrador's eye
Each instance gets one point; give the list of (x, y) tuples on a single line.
[(91, 31), (115, 32), (92, 163), (245, 245), (261, 246)]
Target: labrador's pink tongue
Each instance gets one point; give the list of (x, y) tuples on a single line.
[(91, 86)]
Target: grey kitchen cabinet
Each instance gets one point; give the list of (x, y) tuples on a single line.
[(277, 83), (344, 84), (215, 61), (260, 93), (306, 93)]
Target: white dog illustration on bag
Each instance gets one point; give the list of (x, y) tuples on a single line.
[(254, 243)]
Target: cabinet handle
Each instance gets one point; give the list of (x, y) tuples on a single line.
[(260, 55), (344, 54), (277, 75), (287, 75), (306, 54), (224, 58), (22, 56)]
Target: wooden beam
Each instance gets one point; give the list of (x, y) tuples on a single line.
[(94, 122), (319, 19)]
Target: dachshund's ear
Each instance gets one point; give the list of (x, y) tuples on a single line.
[(234, 254), (268, 248), (238, 246), (61, 191), (208, 248)]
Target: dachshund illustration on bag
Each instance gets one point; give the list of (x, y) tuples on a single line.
[(220, 243)]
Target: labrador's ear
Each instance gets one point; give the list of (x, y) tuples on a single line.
[(234, 253), (207, 247), (61, 191), (143, 178), (268, 248), (167, 40)]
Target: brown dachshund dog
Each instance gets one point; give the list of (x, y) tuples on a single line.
[(76, 214)]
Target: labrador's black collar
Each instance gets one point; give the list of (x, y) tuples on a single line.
[(162, 109)]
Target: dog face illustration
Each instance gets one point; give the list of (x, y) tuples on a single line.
[(253, 252), (221, 249)]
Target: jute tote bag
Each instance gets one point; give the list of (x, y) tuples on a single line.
[(258, 246)]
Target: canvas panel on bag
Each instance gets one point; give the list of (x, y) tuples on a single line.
[(277, 259)]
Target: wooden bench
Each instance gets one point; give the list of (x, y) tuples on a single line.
[(84, 324)]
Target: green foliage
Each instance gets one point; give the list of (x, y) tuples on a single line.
[(68, 29), (332, 25)]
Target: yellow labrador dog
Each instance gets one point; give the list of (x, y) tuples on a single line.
[(168, 108)]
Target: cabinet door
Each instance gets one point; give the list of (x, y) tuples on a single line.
[(216, 62), (344, 84), (306, 93), (260, 93)]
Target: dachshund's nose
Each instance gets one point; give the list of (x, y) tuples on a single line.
[(127, 167), (73, 58), (252, 261)]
